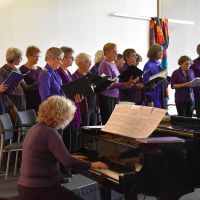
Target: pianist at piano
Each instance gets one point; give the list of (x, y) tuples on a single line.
[(43, 148)]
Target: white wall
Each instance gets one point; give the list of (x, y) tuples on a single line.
[(85, 25), (183, 38)]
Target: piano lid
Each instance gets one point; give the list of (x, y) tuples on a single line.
[(185, 122)]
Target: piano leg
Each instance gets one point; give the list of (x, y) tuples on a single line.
[(131, 194), (105, 193)]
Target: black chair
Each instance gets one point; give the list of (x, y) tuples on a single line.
[(7, 145), (25, 119)]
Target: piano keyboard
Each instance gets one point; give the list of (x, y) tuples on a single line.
[(108, 173)]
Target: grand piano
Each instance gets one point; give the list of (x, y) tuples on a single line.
[(166, 169)]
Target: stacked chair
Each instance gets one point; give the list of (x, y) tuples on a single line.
[(25, 119)]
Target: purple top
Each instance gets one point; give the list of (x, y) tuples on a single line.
[(49, 83), (153, 68), (66, 78), (196, 69), (42, 149), (33, 99), (110, 70), (95, 68), (181, 94)]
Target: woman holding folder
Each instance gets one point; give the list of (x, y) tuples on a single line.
[(71, 132), (88, 105), (33, 99), (134, 93), (110, 97), (196, 69), (13, 99), (180, 81), (157, 97)]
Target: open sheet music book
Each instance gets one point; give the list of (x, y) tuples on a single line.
[(13, 80), (195, 82), (100, 82), (134, 121), (155, 79)]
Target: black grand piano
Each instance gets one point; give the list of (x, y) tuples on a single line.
[(166, 170)]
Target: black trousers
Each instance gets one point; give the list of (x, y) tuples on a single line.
[(184, 108), (107, 105), (197, 106), (49, 193)]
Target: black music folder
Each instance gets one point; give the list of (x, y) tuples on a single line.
[(80, 86), (100, 83), (13, 80), (131, 71)]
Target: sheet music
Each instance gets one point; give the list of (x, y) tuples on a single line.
[(195, 82), (162, 74), (134, 121)]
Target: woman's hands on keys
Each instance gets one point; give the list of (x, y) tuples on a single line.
[(98, 165)]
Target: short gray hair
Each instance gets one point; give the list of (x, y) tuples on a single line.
[(13, 54), (53, 52), (82, 57)]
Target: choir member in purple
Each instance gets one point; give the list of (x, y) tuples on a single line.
[(196, 69), (119, 62), (43, 149), (109, 98), (134, 93), (49, 81), (99, 56), (180, 81), (33, 99), (88, 105), (15, 99), (157, 97), (71, 132)]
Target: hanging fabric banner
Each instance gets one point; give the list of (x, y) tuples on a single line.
[(159, 34)]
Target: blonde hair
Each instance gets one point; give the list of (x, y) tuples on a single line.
[(53, 52), (109, 46), (98, 56), (198, 49), (82, 57), (32, 50), (56, 111), (153, 51), (13, 54)]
